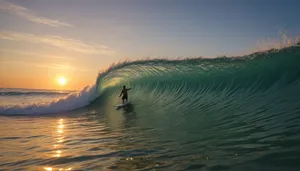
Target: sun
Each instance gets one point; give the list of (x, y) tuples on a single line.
[(62, 81)]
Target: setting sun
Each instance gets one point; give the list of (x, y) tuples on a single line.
[(62, 81)]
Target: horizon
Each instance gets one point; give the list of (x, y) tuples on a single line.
[(18, 88), (42, 40)]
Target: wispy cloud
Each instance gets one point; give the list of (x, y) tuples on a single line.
[(26, 53), (30, 15), (57, 41), (49, 66)]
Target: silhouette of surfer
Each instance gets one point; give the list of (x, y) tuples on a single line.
[(124, 93)]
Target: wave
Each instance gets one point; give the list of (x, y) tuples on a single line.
[(185, 83), (70, 102)]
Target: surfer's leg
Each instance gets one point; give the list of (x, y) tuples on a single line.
[(124, 98)]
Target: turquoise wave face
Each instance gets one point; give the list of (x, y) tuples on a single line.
[(194, 79), (259, 84), (220, 107)]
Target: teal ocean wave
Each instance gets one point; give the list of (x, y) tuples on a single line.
[(196, 84)]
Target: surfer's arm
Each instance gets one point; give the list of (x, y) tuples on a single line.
[(121, 93), (129, 89)]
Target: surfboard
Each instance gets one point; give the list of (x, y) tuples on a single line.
[(121, 105)]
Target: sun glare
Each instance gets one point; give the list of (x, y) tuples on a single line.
[(62, 81)]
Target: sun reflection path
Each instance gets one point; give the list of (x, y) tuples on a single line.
[(58, 146), (60, 169), (60, 138)]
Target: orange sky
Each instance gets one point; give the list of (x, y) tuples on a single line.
[(28, 75)]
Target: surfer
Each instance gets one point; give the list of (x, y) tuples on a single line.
[(125, 94)]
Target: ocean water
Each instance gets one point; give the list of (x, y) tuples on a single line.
[(229, 113)]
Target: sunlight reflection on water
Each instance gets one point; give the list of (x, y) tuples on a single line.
[(58, 146)]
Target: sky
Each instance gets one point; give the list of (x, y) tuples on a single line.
[(41, 40)]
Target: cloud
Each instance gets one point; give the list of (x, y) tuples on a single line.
[(57, 41), (26, 53), (49, 66), (30, 15)]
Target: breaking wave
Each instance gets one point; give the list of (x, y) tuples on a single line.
[(200, 84)]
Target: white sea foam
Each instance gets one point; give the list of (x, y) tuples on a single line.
[(71, 101)]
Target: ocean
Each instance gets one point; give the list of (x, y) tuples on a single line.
[(226, 113)]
